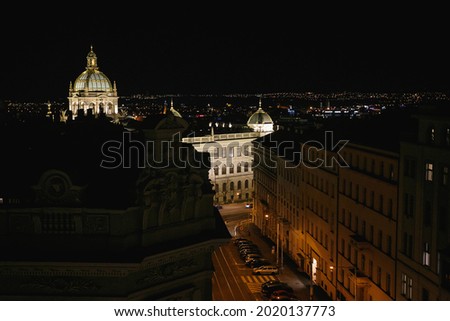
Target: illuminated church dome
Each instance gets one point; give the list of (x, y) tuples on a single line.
[(92, 80), (93, 90), (260, 121)]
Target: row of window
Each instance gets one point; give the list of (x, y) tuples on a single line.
[(231, 199), (368, 235), (230, 186), (232, 151), (361, 195), (319, 183), (427, 213), (321, 211), (377, 279), (319, 235), (429, 173), (371, 166), (410, 168), (244, 167), (407, 249)]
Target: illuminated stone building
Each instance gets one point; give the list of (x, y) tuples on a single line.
[(231, 158), (424, 210), (335, 221), (93, 91)]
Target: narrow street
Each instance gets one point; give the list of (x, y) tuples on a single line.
[(233, 280)]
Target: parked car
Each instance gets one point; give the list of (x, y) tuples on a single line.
[(247, 252), (266, 269), (283, 295), (239, 239), (269, 287), (249, 205), (252, 256), (259, 262)]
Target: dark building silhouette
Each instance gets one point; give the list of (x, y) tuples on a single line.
[(74, 227)]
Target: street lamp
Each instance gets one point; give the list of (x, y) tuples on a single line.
[(265, 222), (311, 282), (355, 271)]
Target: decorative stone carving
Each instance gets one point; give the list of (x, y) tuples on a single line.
[(96, 224), (21, 223), (168, 271), (59, 285), (55, 188)]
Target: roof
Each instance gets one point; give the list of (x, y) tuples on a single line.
[(259, 117), (92, 80)]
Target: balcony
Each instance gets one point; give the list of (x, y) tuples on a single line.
[(359, 242)]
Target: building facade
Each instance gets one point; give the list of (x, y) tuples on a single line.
[(73, 230), (336, 220), (92, 91), (424, 212), (231, 158)]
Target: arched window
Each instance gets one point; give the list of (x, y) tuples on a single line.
[(246, 167), (224, 187), (238, 168), (246, 183), (216, 170), (224, 169), (216, 152), (232, 186), (239, 185), (231, 168)]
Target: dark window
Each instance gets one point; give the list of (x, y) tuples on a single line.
[(427, 213)]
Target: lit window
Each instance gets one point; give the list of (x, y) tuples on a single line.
[(426, 261), (1, 200), (429, 172), (432, 135), (447, 136), (404, 284)]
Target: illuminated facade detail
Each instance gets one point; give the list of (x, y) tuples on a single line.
[(260, 121), (92, 90), (231, 158)]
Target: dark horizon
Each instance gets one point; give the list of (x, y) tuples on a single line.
[(212, 57)]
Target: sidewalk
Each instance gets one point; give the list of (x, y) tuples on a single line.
[(290, 273)]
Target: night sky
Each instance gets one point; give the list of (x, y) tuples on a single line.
[(161, 53)]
